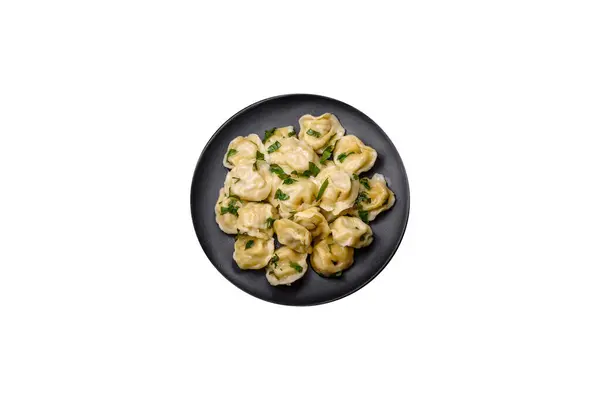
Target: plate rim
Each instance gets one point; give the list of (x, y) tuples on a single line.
[(383, 264)]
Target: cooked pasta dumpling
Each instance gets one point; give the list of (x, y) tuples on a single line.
[(320, 132), (286, 266), (352, 155), (293, 235), (337, 189), (253, 253), (226, 212), (256, 219), (250, 182), (374, 198), (314, 222), (296, 196), (292, 154), (243, 150), (329, 258), (352, 232)]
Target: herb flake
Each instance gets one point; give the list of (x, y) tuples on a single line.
[(249, 244), (365, 183), (268, 134), (343, 156), (311, 132), (274, 147), (279, 195), (322, 189), (296, 266), (326, 154), (230, 152)]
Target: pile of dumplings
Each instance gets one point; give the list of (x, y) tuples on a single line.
[(305, 188)]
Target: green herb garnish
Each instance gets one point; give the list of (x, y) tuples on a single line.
[(326, 154), (322, 189), (268, 134), (362, 197), (231, 209), (291, 133), (270, 222), (289, 181), (231, 152), (260, 156), (274, 260), (312, 170), (364, 215), (338, 274), (249, 244), (343, 156), (280, 195), (316, 134), (355, 177), (296, 266), (365, 183), (274, 147)]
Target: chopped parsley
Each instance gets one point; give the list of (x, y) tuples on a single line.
[(316, 134), (343, 156), (362, 197), (311, 132), (274, 260), (291, 133), (338, 274), (274, 147), (322, 189), (312, 170), (364, 215), (249, 244), (355, 177), (268, 134), (326, 154), (260, 156), (231, 152), (289, 181), (365, 183), (279, 195), (231, 209), (270, 222), (296, 266)]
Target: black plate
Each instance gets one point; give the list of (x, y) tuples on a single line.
[(388, 227)]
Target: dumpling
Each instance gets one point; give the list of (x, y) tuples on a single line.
[(374, 198), (296, 196), (314, 222), (292, 155), (336, 189), (351, 231), (286, 266), (226, 212), (320, 132), (253, 253), (256, 219), (293, 235), (276, 134), (243, 150), (353, 155), (329, 258), (250, 182)]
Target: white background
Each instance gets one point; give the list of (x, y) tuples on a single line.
[(105, 292)]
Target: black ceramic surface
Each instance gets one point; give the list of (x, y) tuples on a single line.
[(388, 227)]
